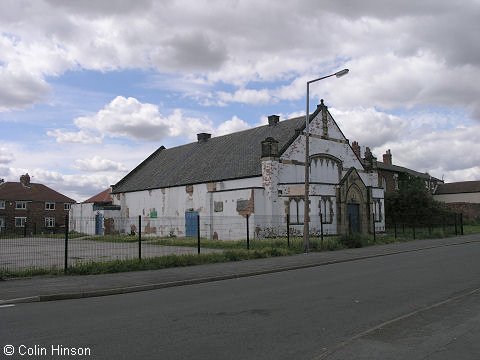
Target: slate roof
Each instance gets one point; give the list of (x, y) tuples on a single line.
[(401, 169), (231, 156), (458, 187), (16, 191)]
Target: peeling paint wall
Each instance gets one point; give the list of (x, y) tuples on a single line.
[(170, 204)]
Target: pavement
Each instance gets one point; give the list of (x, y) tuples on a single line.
[(53, 288)]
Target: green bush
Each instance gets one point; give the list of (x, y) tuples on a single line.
[(353, 241)]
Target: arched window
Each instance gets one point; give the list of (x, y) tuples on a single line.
[(296, 210), (326, 209)]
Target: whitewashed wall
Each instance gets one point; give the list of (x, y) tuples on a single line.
[(163, 210)]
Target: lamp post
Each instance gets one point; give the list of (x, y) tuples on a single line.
[(306, 212)]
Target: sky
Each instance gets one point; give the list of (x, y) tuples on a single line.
[(91, 88)]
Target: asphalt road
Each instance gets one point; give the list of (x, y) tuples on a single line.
[(417, 305)]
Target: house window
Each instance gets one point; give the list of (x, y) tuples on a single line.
[(296, 211), (66, 206), (49, 222), (2, 204), (20, 205), (384, 183), (49, 206), (377, 206), (20, 221)]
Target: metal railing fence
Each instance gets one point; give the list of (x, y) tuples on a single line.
[(98, 239)]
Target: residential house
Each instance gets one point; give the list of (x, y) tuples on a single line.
[(31, 207), (257, 173), (461, 197), (391, 175), (96, 215)]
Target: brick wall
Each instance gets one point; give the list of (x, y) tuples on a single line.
[(35, 214), (470, 211)]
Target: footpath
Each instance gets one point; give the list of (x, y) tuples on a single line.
[(77, 286)]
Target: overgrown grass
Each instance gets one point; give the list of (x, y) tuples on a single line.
[(168, 261), (5, 274), (471, 229), (295, 244), (113, 238)]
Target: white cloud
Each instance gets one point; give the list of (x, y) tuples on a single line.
[(230, 126), (81, 136), (246, 96), (369, 127), (129, 118), (98, 164), (402, 54), (20, 89), (5, 156)]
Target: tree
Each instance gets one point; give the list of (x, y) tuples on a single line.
[(412, 203)]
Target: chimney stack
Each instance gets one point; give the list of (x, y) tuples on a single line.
[(387, 157), (25, 180), (273, 120), (203, 137), (356, 149)]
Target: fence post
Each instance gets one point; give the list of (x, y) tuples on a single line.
[(350, 224), (288, 230), (139, 237), (373, 223), (413, 229), (248, 233), (456, 228), (25, 227), (321, 231), (198, 233), (66, 244), (461, 223), (395, 229)]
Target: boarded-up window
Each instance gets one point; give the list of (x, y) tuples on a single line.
[(243, 205), (218, 206)]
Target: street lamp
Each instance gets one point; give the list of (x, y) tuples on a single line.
[(306, 212)]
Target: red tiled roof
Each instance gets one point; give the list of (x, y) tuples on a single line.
[(103, 197), (35, 192)]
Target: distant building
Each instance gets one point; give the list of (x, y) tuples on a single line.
[(96, 215), (391, 175), (461, 197), (31, 207)]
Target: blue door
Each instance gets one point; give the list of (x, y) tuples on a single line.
[(98, 224), (191, 223), (353, 211)]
